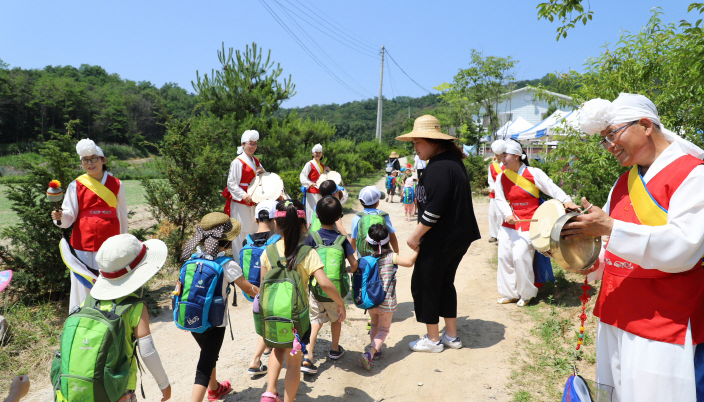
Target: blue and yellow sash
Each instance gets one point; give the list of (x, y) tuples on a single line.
[(522, 182), (648, 211), (99, 189)]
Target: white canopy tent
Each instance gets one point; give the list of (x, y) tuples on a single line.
[(554, 124), (511, 128)]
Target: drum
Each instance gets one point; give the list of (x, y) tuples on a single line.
[(266, 186), (574, 255), (331, 175)]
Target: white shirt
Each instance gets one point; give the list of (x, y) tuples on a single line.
[(303, 177), (418, 163), (70, 205), (542, 181), (491, 181), (679, 244), (231, 271), (233, 178)]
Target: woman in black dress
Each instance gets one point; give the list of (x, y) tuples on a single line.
[(446, 227)]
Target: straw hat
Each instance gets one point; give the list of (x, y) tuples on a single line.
[(394, 155), (426, 127), (126, 264), (215, 219)]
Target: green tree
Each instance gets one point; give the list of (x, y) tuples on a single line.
[(568, 12)]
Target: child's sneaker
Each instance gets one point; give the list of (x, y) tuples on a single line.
[(366, 360), (269, 397), (223, 388), (424, 344), (455, 343), (336, 354)]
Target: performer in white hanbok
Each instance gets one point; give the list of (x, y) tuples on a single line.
[(517, 198), (96, 206), (495, 167), (309, 176), (650, 334), (242, 170)]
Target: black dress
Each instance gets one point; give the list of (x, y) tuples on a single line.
[(445, 204)]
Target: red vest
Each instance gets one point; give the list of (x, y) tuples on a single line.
[(96, 221), (649, 303), (493, 174), (522, 203), (247, 175), (313, 176)]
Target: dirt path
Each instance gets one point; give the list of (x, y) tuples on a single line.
[(477, 372)]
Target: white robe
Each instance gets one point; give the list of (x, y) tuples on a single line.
[(495, 217), (514, 277), (311, 199), (244, 214)]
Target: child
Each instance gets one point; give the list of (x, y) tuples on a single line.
[(291, 224), (328, 187), (378, 239), (115, 283), (264, 215), (216, 232), (391, 185), (415, 199), (369, 198), (408, 198), (329, 211)]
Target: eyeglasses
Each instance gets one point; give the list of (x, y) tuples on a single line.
[(94, 159), (610, 137), (251, 143)]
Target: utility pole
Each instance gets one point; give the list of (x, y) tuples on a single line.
[(380, 107)]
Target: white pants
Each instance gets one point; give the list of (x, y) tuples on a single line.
[(245, 216), (641, 370), (311, 201), (78, 290), (514, 276), (495, 219)]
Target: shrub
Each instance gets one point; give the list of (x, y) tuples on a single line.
[(477, 172), (123, 152), (373, 152), (292, 183)]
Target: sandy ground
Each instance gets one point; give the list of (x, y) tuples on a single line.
[(478, 372)]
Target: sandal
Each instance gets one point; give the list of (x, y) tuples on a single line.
[(311, 369), (267, 351), (269, 397), (262, 369), (223, 388)]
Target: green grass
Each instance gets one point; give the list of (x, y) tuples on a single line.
[(14, 160), (353, 189)]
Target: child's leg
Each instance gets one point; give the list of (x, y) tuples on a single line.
[(210, 343), (293, 375), (314, 329), (335, 329), (383, 327), (374, 319), (258, 351), (275, 362)]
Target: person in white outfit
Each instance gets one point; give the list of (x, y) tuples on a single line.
[(650, 333), (495, 167), (517, 198), (243, 169), (309, 176), (96, 206)]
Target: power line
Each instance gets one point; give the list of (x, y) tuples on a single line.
[(388, 69), (305, 48), (351, 34), (409, 77)]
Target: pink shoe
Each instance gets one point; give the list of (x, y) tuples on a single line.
[(269, 397), (223, 388)]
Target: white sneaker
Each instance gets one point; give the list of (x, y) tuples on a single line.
[(426, 345), (455, 343), (523, 303)]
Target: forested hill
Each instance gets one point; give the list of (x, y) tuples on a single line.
[(34, 102), (357, 120)]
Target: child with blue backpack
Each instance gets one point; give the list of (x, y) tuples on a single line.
[(378, 239), (391, 183), (369, 198), (333, 248), (215, 233), (408, 198), (293, 260)]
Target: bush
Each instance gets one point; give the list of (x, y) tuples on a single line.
[(477, 172), (123, 152), (292, 183), (373, 152)]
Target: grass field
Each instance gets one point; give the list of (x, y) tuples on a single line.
[(133, 191)]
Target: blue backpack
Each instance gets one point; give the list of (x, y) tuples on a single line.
[(249, 260), (198, 302), (389, 182), (367, 287)]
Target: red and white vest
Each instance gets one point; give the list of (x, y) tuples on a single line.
[(314, 175), (494, 174), (522, 202), (649, 303), (247, 175), (96, 220)]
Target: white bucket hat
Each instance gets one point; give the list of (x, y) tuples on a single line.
[(126, 264)]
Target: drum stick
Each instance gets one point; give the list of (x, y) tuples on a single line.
[(526, 220)]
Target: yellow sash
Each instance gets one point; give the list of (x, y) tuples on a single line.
[(99, 189), (522, 182), (644, 205), (497, 167), (319, 166)]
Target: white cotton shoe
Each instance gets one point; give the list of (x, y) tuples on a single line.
[(426, 345), (523, 303), (505, 300), (455, 343)]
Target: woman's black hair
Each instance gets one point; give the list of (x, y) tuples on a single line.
[(379, 232), (291, 228), (447, 145), (524, 157)]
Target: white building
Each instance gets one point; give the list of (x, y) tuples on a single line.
[(522, 102)]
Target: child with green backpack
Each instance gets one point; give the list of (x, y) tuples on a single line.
[(333, 248), (97, 358), (369, 198), (281, 309), (329, 188)]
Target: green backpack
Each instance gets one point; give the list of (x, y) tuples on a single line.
[(91, 363), (283, 303), (365, 222), (333, 257), (314, 224)]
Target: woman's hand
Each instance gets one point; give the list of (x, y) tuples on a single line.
[(247, 199), (571, 206), (511, 220), (327, 169), (413, 242), (260, 170), (57, 215)]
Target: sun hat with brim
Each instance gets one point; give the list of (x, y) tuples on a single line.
[(426, 127), (394, 155), (126, 264), (215, 219)]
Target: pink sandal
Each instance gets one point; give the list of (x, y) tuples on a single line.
[(269, 397)]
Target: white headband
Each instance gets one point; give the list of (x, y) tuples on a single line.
[(86, 147), (513, 148), (249, 135), (378, 243), (318, 148), (498, 146)]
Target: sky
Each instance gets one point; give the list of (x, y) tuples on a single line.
[(169, 41)]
